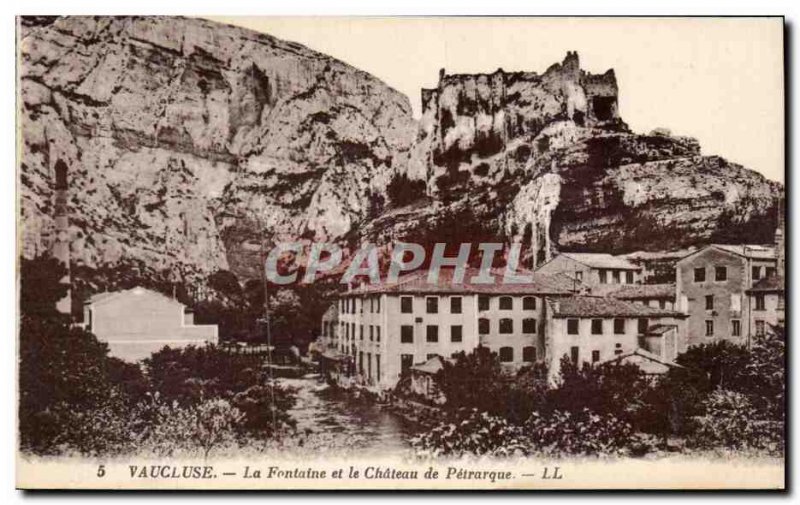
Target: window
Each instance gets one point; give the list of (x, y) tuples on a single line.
[(760, 302), (720, 274), (619, 326), (506, 303), (406, 334), (360, 362), (573, 354), (700, 274), (406, 304), (709, 328), (572, 326), (529, 303), (483, 326), (432, 305), (617, 349), (662, 304), (579, 276), (506, 354), (736, 302), (529, 354), (595, 356), (736, 328), (430, 355), (770, 272), (378, 367), (603, 277), (529, 325), (483, 302), (371, 333), (597, 326), (643, 324), (756, 273), (432, 333), (378, 333), (369, 365), (361, 332), (455, 305), (506, 325), (456, 333), (378, 310), (709, 302), (615, 276), (760, 328), (629, 277), (406, 362)]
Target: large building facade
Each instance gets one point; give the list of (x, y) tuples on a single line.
[(385, 330), (711, 288)]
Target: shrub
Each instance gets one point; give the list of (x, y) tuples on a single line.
[(472, 432), (582, 433), (731, 421), (172, 429)]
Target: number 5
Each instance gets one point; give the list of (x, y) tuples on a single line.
[(101, 470)]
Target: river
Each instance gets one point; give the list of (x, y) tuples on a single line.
[(334, 416)]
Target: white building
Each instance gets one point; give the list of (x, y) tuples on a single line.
[(387, 329), (137, 322)]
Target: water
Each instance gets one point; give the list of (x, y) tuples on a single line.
[(331, 415)]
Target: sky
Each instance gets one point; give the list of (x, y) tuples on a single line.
[(719, 80)]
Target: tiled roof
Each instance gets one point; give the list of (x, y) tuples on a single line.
[(648, 356), (432, 366), (602, 260), (749, 250), (660, 329), (593, 306), (771, 284), (417, 282), (639, 291)]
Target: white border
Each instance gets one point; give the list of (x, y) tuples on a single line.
[(321, 7)]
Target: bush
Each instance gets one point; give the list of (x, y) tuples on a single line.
[(732, 421), (192, 375), (473, 432), (583, 433), (172, 429)]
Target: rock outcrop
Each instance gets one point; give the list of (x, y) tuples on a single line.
[(189, 142), (546, 160), (191, 145)]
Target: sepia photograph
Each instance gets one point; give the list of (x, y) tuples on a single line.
[(421, 253)]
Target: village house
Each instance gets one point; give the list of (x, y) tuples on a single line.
[(137, 322), (660, 296), (712, 289), (387, 329), (591, 329), (593, 269)]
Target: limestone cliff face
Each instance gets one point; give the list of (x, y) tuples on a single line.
[(190, 144), (189, 141), (546, 160)]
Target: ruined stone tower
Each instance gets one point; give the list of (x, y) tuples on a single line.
[(61, 244)]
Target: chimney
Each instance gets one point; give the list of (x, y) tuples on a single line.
[(61, 245)]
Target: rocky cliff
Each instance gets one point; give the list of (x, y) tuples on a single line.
[(190, 144), (546, 160)]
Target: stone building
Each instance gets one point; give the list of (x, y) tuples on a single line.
[(596, 329), (653, 295), (387, 329), (137, 322), (593, 269), (712, 286)]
